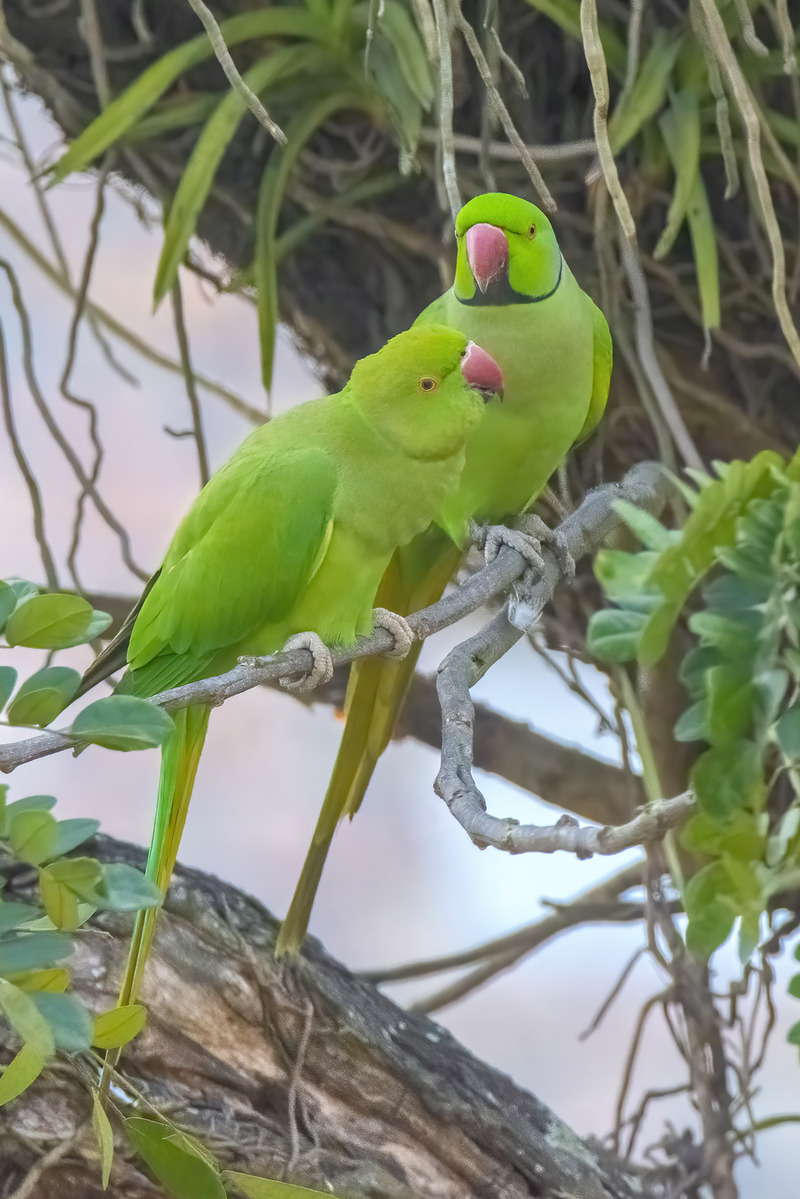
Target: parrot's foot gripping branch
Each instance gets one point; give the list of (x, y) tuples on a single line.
[(399, 628), (492, 538), (321, 670)]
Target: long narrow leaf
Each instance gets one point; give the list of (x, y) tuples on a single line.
[(648, 93), (704, 246), (270, 198), (123, 112), (680, 126), (201, 169)]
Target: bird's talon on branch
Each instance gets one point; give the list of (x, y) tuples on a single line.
[(322, 664), (554, 540), (399, 628), (527, 546)]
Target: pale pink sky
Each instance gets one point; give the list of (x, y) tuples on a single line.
[(403, 881)]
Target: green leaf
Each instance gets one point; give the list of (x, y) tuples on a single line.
[(397, 27), (8, 602), (20, 1072), (104, 1136), (118, 1026), (692, 724), (25, 1018), (126, 109), (178, 1163), (44, 695), (31, 803), (735, 637), (680, 126), (125, 889), (270, 198), (624, 576), (200, 171), (794, 986), (59, 901), (730, 706), (648, 93), (741, 836), (49, 622), (81, 875), (647, 528), (264, 1188), (614, 633), (12, 915), (710, 916), (71, 833), (704, 246), (32, 835), (23, 589), (122, 722), (69, 1020), (728, 778), (23, 951), (710, 527), (787, 730), (793, 1035), (56, 980), (8, 680)]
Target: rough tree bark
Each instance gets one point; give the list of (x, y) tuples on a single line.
[(299, 1071)]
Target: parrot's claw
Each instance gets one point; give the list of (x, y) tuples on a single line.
[(492, 538), (400, 629), (554, 540), (321, 670)]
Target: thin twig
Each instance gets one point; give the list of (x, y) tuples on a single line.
[(25, 470), (445, 98), (256, 415), (189, 378), (498, 106), (234, 78), (56, 433)]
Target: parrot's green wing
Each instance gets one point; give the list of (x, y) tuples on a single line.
[(239, 560), (601, 380)]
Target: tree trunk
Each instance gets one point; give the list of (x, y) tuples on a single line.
[(295, 1070)]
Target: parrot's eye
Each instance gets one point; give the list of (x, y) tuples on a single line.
[(532, 231), (427, 383)]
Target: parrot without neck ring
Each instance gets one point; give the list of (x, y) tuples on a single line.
[(293, 535), (516, 296)]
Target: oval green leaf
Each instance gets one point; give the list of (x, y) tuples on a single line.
[(117, 1027), (49, 622), (32, 836), (181, 1167), (44, 695), (122, 722), (20, 1072), (68, 1019), (8, 679)]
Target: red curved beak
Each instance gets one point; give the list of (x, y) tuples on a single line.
[(487, 253), (482, 373)]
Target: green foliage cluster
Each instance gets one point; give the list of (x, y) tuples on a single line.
[(54, 621), (36, 938), (318, 58), (733, 571)]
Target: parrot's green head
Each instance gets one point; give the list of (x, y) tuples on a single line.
[(507, 252), (426, 389)]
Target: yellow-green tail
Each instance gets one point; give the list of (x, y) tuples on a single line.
[(179, 758), (376, 691)]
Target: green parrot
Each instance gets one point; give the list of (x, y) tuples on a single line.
[(287, 544), (515, 295)]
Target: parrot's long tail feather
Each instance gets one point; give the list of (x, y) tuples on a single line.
[(179, 759), (376, 692)]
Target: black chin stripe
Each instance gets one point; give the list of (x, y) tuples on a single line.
[(501, 292)]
